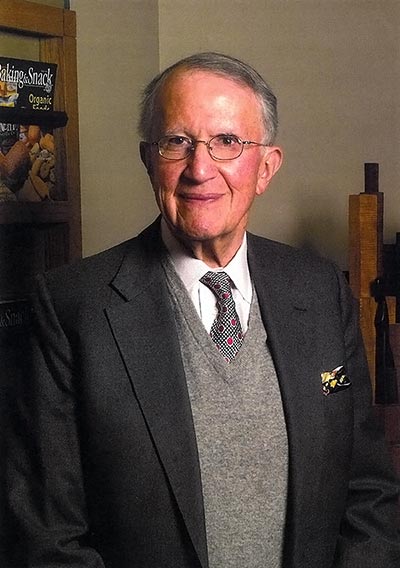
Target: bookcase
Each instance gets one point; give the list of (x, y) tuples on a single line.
[(47, 233), (36, 236)]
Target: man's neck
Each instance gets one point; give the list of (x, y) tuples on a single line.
[(215, 253)]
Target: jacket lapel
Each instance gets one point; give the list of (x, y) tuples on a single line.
[(144, 330), (290, 330)]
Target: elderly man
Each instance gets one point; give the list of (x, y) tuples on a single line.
[(200, 396)]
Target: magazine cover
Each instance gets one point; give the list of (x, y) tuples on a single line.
[(27, 84), (27, 151)]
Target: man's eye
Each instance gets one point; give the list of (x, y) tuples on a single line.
[(177, 141), (226, 140)]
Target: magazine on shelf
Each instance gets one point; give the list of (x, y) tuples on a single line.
[(27, 84), (27, 151)]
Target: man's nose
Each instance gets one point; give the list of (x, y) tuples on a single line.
[(200, 164)]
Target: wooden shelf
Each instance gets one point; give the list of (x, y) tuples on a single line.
[(55, 31), (23, 16), (49, 119), (34, 213)]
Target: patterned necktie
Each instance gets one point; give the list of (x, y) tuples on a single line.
[(226, 331)]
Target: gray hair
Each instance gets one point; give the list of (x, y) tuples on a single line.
[(219, 64)]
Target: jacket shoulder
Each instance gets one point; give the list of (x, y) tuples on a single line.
[(85, 273), (268, 251), (102, 267), (299, 273)]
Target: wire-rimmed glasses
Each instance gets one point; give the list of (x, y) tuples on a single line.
[(220, 147)]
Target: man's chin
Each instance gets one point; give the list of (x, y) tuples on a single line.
[(196, 235)]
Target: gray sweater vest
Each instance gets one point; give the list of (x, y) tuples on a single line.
[(241, 438)]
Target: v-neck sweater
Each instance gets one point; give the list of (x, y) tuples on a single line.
[(241, 438)]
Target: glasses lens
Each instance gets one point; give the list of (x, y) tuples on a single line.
[(225, 147), (174, 147)]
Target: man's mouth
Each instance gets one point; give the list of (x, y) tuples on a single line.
[(200, 197)]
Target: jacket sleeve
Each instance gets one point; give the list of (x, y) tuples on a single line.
[(369, 534), (46, 498)]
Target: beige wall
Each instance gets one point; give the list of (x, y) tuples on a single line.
[(334, 65), (117, 56)]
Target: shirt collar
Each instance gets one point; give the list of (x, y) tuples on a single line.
[(190, 269)]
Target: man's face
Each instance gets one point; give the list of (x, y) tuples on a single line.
[(202, 199)]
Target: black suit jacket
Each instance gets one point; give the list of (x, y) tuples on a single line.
[(103, 464)]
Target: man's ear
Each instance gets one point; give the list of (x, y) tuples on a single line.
[(270, 165), (145, 155)]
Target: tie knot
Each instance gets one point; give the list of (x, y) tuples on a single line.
[(219, 283)]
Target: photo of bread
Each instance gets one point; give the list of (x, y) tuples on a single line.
[(8, 94)]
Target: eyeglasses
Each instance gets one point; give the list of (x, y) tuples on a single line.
[(220, 147)]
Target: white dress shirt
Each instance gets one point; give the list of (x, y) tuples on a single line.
[(191, 269)]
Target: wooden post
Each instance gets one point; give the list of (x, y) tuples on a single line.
[(366, 257), (365, 254)]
